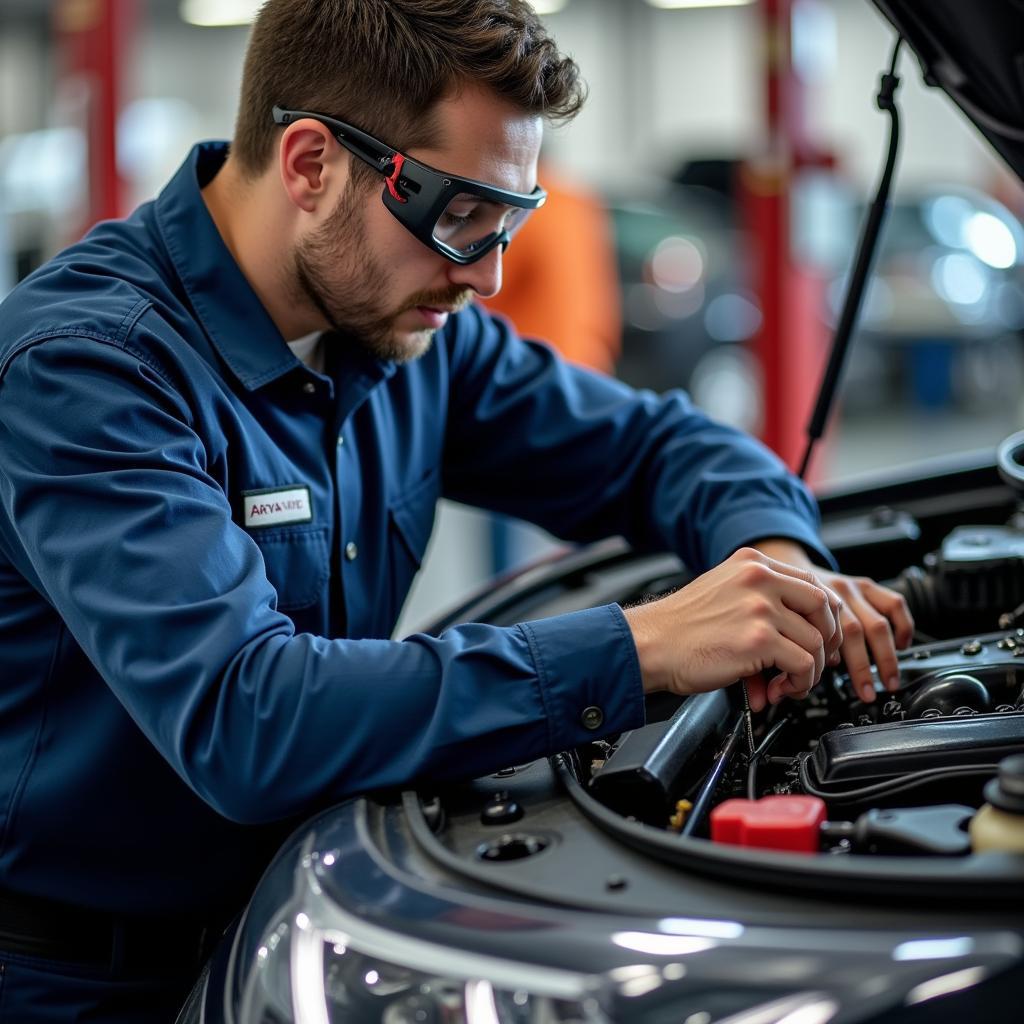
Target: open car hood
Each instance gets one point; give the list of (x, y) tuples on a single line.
[(974, 52)]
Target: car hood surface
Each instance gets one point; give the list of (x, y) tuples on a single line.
[(974, 52)]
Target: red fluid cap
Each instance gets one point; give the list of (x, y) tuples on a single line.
[(791, 823)]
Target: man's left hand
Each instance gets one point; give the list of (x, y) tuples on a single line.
[(875, 622)]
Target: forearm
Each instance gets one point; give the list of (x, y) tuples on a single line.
[(785, 550)]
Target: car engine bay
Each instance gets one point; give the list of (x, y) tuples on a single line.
[(935, 768), (828, 795), (935, 742)]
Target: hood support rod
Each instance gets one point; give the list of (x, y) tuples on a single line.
[(866, 249)]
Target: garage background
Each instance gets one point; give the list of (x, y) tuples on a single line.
[(705, 122)]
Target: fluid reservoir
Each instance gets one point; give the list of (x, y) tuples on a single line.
[(999, 825)]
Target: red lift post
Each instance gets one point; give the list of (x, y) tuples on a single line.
[(791, 346), (92, 40)]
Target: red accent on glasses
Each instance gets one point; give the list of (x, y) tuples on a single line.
[(396, 163)]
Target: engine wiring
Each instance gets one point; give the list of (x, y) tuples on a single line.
[(758, 755), (889, 787)]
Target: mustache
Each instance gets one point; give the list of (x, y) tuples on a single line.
[(453, 298)]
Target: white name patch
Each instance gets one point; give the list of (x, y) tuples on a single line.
[(277, 507)]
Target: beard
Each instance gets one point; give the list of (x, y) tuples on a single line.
[(348, 299)]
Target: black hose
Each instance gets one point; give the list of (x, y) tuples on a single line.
[(923, 594)]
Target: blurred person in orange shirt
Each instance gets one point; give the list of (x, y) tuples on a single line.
[(560, 284), (560, 280)]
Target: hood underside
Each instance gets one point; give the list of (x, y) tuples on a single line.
[(974, 52)]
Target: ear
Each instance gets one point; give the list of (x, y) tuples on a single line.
[(310, 162)]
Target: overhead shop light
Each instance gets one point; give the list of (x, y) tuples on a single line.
[(215, 13), (680, 5)]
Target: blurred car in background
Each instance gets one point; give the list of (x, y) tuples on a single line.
[(942, 319), (688, 311), (941, 323)]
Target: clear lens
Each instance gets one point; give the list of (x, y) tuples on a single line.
[(358, 989), (305, 975), (468, 223)]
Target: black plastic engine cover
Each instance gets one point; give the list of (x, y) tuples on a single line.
[(898, 748)]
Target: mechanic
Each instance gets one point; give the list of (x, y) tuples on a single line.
[(224, 425)]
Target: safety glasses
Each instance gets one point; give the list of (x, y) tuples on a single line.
[(459, 218)]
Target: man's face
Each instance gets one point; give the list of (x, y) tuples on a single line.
[(371, 279)]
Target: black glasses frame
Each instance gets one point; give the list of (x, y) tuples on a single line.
[(416, 193)]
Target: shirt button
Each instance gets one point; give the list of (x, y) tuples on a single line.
[(592, 717), (341, 440), (351, 551), (309, 387)]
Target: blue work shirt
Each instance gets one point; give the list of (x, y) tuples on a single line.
[(205, 545)]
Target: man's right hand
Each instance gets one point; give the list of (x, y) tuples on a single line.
[(747, 618)]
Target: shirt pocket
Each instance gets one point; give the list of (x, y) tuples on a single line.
[(298, 563), (410, 522)]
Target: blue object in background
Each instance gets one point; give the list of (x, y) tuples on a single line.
[(930, 368)]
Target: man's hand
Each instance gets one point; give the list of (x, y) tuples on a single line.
[(749, 615), (873, 618)]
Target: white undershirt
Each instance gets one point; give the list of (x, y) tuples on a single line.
[(310, 350)]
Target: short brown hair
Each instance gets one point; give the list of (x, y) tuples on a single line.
[(383, 64)]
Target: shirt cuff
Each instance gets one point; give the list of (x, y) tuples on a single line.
[(755, 524), (589, 674)]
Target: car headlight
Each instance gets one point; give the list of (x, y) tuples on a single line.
[(306, 974)]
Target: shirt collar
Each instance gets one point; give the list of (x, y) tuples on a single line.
[(234, 318), (230, 312)]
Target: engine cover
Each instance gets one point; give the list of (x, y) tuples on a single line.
[(875, 752)]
